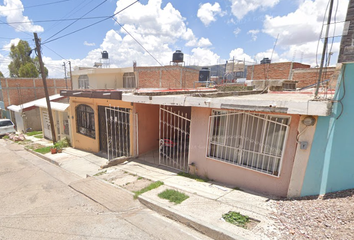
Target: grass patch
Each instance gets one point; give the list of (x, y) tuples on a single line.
[(236, 218), (139, 178), (39, 136), (148, 188), (100, 173), (43, 150), (192, 176), (6, 137), (173, 196), (24, 142), (33, 133)]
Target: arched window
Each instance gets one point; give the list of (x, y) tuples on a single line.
[(85, 120), (83, 82)]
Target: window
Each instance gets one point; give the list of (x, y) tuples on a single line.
[(250, 140), (83, 82), (85, 120), (129, 80)]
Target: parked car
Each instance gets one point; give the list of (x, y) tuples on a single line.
[(6, 126)]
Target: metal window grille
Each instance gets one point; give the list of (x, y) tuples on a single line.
[(83, 82), (85, 120), (129, 80), (250, 140)]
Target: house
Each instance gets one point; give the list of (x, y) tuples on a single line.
[(17, 91), (29, 115)]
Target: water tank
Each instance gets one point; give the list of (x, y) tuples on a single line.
[(104, 55), (177, 56), (204, 74), (265, 61)]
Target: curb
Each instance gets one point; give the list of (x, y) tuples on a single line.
[(210, 231), (42, 156)]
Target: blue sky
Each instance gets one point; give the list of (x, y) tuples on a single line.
[(208, 32)]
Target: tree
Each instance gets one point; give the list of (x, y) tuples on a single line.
[(22, 65), (1, 75)]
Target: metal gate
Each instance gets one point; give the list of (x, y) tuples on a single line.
[(174, 138), (117, 132), (47, 131)]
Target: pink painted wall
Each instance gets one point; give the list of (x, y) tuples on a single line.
[(148, 125), (235, 175)]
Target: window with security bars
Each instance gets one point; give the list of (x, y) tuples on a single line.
[(85, 118), (250, 140)]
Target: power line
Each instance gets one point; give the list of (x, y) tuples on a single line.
[(55, 20), (38, 5), (91, 24), (76, 20), (137, 42)]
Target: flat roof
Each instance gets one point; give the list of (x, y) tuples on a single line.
[(286, 102)]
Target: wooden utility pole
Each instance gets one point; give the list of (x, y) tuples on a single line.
[(324, 48), (71, 76), (38, 48), (66, 80)]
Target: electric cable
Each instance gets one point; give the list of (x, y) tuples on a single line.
[(76, 20), (80, 29), (38, 5)]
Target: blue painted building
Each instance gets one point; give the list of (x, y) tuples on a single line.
[(331, 163)]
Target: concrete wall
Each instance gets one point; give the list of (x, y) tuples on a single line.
[(235, 175), (330, 166), (58, 118), (89, 144), (17, 91), (346, 51), (175, 77), (280, 70), (309, 76)]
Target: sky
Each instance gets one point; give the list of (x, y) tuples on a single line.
[(150, 31)]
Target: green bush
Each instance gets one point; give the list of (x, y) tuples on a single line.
[(236, 218)]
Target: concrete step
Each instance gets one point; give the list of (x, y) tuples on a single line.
[(113, 198)]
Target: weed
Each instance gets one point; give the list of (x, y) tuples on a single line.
[(39, 136), (33, 133), (237, 188), (195, 177), (173, 196), (139, 178), (100, 173), (5, 137), (43, 150), (148, 188), (236, 218)]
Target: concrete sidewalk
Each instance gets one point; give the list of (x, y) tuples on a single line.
[(204, 208)]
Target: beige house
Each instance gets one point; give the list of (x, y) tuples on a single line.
[(103, 78)]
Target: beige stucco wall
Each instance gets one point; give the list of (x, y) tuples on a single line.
[(301, 158), (102, 78), (235, 175), (89, 144)]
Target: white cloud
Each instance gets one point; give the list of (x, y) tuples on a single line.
[(13, 11), (273, 55), (240, 55), (254, 34), (304, 24), (203, 42), (240, 8), (237, 31), (14, 41), (203, 57), (89, 44), (207, 13)]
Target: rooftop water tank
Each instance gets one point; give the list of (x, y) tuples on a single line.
[(265, 61), (177, 56), (104, 55), (204, 74)]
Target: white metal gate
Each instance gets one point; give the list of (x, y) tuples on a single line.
[(47, 131), (117, 132), (174, 138)]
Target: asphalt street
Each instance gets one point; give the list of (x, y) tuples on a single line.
[(36, 202)]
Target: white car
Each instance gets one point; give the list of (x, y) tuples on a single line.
[(6, 126)]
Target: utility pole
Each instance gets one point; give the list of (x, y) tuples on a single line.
[(38, 48), (66, 81), (71, 76), (324, 48)]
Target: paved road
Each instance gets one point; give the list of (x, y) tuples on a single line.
[(37, 203)]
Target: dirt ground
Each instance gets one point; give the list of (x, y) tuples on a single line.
[(325, 217)]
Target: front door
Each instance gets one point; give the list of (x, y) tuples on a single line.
[(47, 132)]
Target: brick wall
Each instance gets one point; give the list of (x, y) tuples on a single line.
[(309, 76), (17, 91), (173, 77), (272, 71)]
